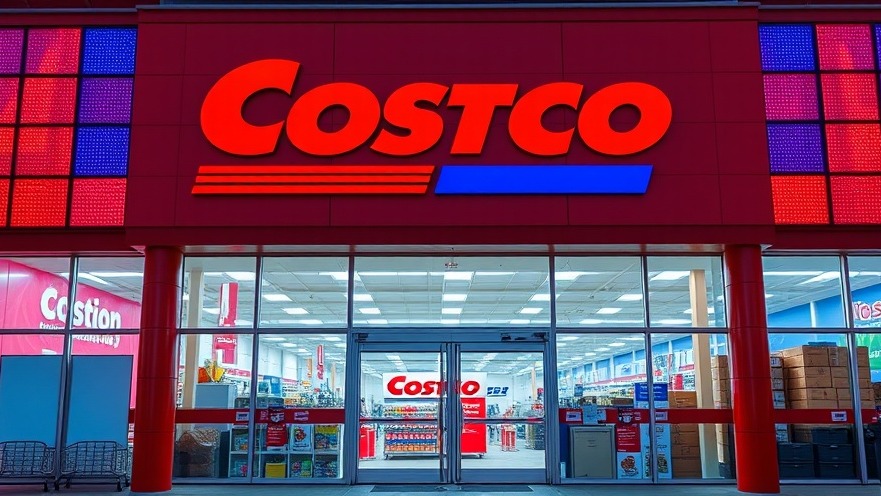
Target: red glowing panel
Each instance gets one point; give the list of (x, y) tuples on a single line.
[(39, 202), (790, 97), (845, 46), (8, 100), (53, 51), (44, 151), (800, 199), (4, 200), (854, 147), (850, 97), (98, 202), (856, 199), (7, 135), (48, 101)]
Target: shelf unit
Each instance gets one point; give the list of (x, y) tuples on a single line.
[(410, 439), (311, 451)]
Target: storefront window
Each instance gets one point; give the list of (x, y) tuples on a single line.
[(216, 379), (865, 291), (34, 293), (297, 373), (599, 292), (686, 292), (304, 292), (218, 292), (815, 396), (454, 291), (108, 294), (803, 292)]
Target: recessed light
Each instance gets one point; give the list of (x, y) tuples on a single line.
[(590, 321), (451, 311), (541, 297), (454, 297), (276, 297), (617, 344), (630, 297), (310, 322), (370, 311), (450, 321), (331, 338), (670, 275), (338, 276), (590, 353), (569, 338), (117, 274), (212, 311), (768, 295), (458, 276), (295, 311), (530, 310), (242, 276), (274, 339), (570, 275), (674, 321), (519, 321), (709, 310), (362, 297), (603, 349), (608, 310), (288, 345), (377, 321)]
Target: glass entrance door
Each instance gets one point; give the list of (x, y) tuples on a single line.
[(414, 396)]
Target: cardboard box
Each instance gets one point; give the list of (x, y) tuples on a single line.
[(687, 468), (678, 428), (808, 404), (685, 450), (811, 394), (862, 356), (782, 431), (865, 374), (838, 357), (840, 382), (808, 372), (682, 399), (806, 360), (780, 405), (719, 362), (721, 396), (720, 376), (840, 372), (685, 438), (722, 384), (779, 395), (776, 373), (808, 383), (867, 394), (723, 452), (776, 361), (867, 404), (844, 394), (778, 384)]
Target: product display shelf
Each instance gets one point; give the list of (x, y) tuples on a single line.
[(311, 451), (410, 439)]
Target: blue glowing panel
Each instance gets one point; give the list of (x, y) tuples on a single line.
[(101, 151), (109, 50), (795, 148), (787, 47), (106, 100), (543, 179)]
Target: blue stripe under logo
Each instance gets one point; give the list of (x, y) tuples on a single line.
[(543, 179)]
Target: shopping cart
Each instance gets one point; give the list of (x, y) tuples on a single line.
[(22, 461), (95, 461)]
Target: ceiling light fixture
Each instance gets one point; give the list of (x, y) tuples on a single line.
[(670, 275), (608, 311), (276, 297), (530, 310), (454, 297), (242, 276), (295, 311), (369, 311), (451, 311), (630, 297)]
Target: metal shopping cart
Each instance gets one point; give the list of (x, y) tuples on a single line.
[(24, 461), (95, 461)]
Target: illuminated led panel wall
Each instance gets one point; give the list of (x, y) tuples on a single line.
[(65, 115), (824, 131)]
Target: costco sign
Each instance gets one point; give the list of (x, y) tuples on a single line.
[(406, 385)]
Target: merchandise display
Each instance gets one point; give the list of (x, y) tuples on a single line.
[(306, 451)]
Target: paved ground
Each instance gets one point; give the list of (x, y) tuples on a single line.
[(366, 490)]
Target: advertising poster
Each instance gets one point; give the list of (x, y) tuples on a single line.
[(627, 442), (662, 431)]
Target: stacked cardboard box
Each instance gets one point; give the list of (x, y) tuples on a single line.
[(778, 390), (818, 377), (721, 374), (685, 439)]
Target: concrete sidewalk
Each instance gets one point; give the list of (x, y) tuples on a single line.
[(467, 490)]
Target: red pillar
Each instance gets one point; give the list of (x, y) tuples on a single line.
[(755, 442), (157, 371)]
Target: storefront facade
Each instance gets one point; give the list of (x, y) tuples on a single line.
[(330, 239)]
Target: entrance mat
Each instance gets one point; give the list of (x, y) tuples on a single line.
[(441, 488)]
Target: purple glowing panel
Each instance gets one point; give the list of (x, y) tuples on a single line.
[(106, 101), (795, 148), (10, 50)]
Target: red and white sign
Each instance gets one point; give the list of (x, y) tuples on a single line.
[(428, 385), (229, 304), (320, 356), (866, 311)]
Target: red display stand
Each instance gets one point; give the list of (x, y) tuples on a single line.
[(367, 443), (509, 438), (474, 435)]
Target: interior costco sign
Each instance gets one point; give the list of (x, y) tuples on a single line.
[(413, 111)]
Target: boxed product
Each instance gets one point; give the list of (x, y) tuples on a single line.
[(809, 382), (687, 468), (782, 432), (840, 372), (776, 373), (776, 361), (777, 384), (682, 399), (722, 399), (327, 437), (719, 362), (797, 372), (813, 404), (813, 394), (840, 382), (301, 468), (805, 356), (275, 470), (301, 437), (678, 428), (862, 356), (838, 356)]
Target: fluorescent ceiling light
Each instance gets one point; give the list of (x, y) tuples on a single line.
[(377, 321), (370, 311), (455, 297), (295, 311), (302, 350), (451, 311), (541, 297), (590, 321), (274, 339), (519, 321), (242, 276), (213, 274), (569, 338), (630, 297), (562, 345), (602, 349), (674, 321), (768, 295), (571, 275), (340, 345), (276, 297), (617, 344), (450, 321), (246, 323), (90, 277), (709, 310), (792, 273), (332, 338), (310, 322), (590, 353), (212, 311), (608, 311), (116, 274), (492, 273), (825, 276), (362, 297), (530, 310), (633, 338), (393, 358), (288, 345), (670, 275), (857, 273), (339, 276), (458, 276)]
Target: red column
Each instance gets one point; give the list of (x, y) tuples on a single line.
[(157, 371), (755, 442)]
